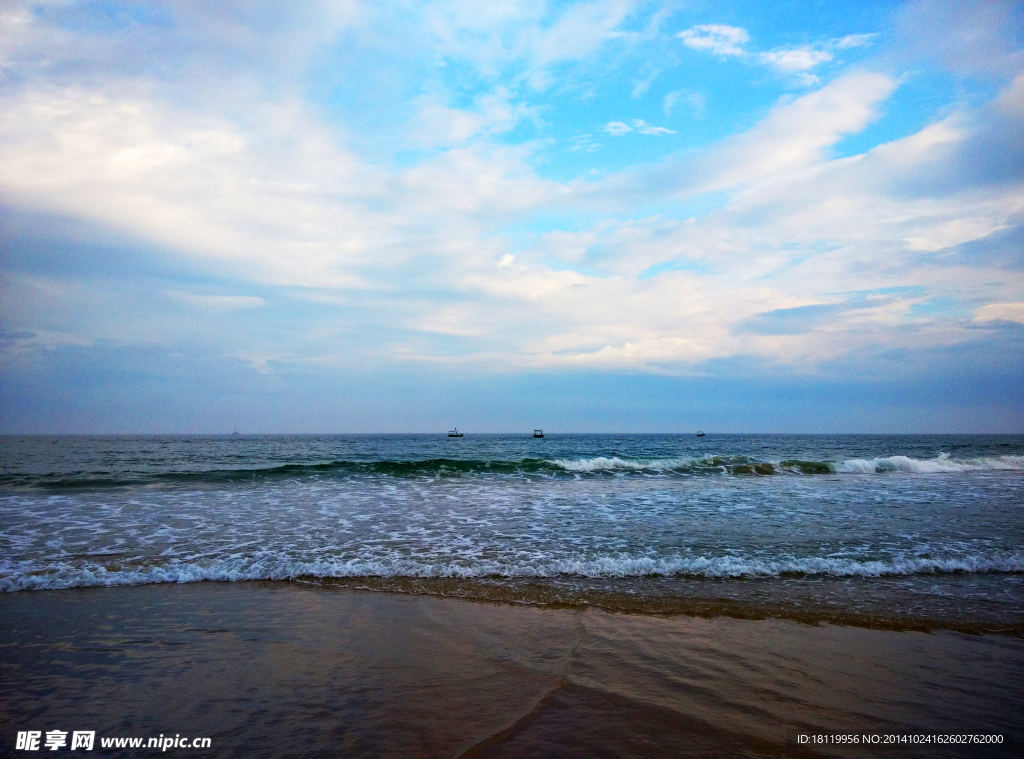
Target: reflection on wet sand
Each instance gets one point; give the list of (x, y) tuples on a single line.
[(283, 669)]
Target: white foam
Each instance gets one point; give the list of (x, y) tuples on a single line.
[(273, 567), (941, 463), (606, 463)]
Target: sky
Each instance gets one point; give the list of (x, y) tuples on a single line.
[(601, 216)]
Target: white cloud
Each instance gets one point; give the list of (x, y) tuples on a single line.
[(271, 202), (855, 40), (314, 216), (567, 246), (936, 235), (654, 130), (794, 135), (797, 59), (450, 320), (277, 202), (642, 127), (469, 186), (265, 191), (716, 38), (584, 142), (640, 87), (730, 41), (1006, 312), (580, 30), (619, 128), (810, 224), (438, 125), (526, 34)]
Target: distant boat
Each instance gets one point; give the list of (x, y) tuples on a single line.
[(454, 433), (538, 433), (700, 433), (236, 433)]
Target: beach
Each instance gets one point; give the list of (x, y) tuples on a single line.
[(276, 669)]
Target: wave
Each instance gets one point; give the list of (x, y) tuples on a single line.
[(277, 567), (703, 465), (943, 463), (428, 467), (596, 466)]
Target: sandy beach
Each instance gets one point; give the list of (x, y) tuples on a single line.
[(281, 669)]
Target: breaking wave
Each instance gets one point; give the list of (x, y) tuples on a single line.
[(26, 576), (743, 465), (702, 465), (942, 463), (447, 467)]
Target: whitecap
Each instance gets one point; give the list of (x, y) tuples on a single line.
[(941, 463)]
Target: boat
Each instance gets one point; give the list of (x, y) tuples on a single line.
[(538, 433), (700, 433), (454, 433)]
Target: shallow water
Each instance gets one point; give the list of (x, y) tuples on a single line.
[(878, 530), (280, 669)]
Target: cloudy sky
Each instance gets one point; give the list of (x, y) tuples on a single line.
[(592, 216)]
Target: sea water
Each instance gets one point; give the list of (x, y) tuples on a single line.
[(900, 530)]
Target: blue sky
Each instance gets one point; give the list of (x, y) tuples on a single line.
[(593, 216)]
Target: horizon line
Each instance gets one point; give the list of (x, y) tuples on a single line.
[(470, 434)]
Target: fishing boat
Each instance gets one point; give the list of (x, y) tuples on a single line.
[(538, 433), (454, 433), (700, 433)]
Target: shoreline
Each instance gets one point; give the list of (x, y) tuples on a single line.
[(529, 592), (784, 599), (287, 668)]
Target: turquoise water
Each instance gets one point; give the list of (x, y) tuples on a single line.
[(871, 527)]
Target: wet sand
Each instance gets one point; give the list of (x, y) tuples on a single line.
[(289, 670)]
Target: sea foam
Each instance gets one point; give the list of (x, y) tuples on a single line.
[(942, 463), (281, 567)]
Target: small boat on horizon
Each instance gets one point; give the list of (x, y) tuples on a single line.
[(700, 433), (454, 433), (538, 433)]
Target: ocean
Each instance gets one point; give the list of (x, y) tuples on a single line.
[(910, 532), (505, 596)]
